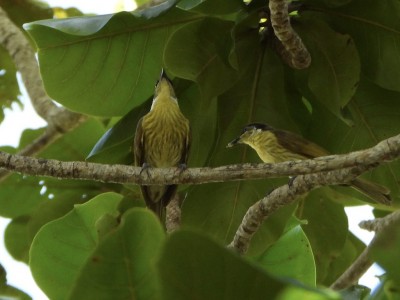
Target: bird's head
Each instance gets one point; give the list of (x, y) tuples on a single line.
[(164, 91), (250, 133)]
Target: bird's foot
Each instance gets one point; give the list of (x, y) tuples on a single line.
[(181, 168), (145, 167)]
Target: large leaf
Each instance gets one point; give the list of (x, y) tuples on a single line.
[(211, 7), (23, 11), (28, 191), (385, 251), (259, 95), (350, 252), (195, 267), (375, 28), (62, 247), (38, 200), (115, 146), (105, 65), (291, 256), (19, 12), (376, 116), (123, 264), (206, 60), (335, 68), (326, 229)]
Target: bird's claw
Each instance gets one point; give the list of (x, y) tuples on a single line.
[(181, 168), (145, 167)]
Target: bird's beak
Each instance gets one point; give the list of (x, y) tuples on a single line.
[(233, 143), (164, 76)]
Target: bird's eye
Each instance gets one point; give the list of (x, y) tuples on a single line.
[(246, 129)]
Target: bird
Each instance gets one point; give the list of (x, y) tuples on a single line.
[(162, 140), (275, 146)]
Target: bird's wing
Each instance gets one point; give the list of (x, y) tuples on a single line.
[(186, 149), (297, 144), (138, 145)]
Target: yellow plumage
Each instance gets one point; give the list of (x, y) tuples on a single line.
[(162, 140), (274, 146)]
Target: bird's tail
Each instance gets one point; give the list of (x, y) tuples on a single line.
[(373, 190), (158, 197), (158, 208)]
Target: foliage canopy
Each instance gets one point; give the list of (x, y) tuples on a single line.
[(87, 238)]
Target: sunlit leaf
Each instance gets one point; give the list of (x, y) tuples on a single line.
[(61, 248), (123, 264), (105, 65), (291, 256)]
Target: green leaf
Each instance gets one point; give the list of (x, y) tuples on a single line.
[(291, 256), (61, 247), (212, 7), (8, 292), (202, 114), (9, 89), (259, 95), (374, 27), (335, 68), (27, 192), (218, 209), (356, 292), (105, 65), (326, 229), (387, 289), (385, 250), (194, 267), (17, 238), (23, 11), (206, 61), (123, 264), (328, 3), (115, 146), (376, 116), (351, 250)]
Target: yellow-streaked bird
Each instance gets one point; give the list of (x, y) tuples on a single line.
[(274, 146), (162, 140)]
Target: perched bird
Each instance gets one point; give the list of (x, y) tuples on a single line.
[(274, 146), (162, 140)]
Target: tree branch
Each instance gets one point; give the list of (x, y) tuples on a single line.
[(50, 135), (363, 262), (59, 119), (380, 224), (294, 52), (284, 196), (384, 151), (15, 42)]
